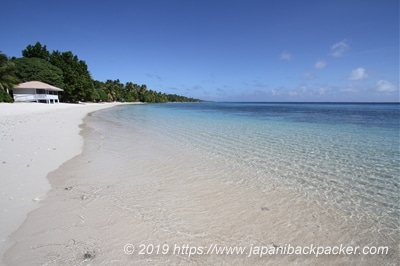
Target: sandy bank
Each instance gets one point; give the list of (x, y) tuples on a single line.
[(35, 139)]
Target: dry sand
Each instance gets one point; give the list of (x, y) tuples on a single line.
[(35, 139)]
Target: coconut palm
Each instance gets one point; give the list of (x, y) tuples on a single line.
[(7, 73)]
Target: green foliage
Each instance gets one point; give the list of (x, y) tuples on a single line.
[(95, 96), (65, 70), (37, 51), (178, 98), (5, 97), (114, 90), (100, 87), (78, 84), (29, 69), (8, 78)]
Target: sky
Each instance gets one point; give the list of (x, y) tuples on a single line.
[(223, 50)]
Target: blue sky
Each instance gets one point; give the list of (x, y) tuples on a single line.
[(223, 50)]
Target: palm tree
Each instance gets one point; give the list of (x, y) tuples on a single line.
[(8, 77)]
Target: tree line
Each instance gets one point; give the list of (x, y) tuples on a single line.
[(65, 70)]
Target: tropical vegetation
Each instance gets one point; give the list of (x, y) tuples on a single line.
[(7, 78), (65, 70)]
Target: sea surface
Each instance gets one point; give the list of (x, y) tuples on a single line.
[(343, 156), (346, 154)]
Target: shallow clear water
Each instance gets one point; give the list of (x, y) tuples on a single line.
[(344, 155)]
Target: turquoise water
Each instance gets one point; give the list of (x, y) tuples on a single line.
[(345, 156)]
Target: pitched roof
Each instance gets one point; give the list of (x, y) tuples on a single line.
[(37, 85)]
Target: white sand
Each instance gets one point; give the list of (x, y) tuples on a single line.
[(35, 139)]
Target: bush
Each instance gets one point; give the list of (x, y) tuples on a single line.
[(5, 97)]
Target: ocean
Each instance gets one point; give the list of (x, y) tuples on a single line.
[(346, 154), (342, 157)]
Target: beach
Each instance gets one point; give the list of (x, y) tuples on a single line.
[(148, 185), (35, 139)]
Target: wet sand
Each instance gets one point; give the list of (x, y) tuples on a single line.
[(35, 139)]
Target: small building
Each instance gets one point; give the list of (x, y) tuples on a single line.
[(36, 91)]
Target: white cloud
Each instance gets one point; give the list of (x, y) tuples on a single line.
[(340, 48), (358, 74), (385, 86), (298, 91), (320, 91), (320, 64), (349, 89), (276, 92), (286, 56)]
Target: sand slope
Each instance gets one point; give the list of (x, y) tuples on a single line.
[(35, 139)]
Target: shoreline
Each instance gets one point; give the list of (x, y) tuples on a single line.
[(137, 189), (35, 139)]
